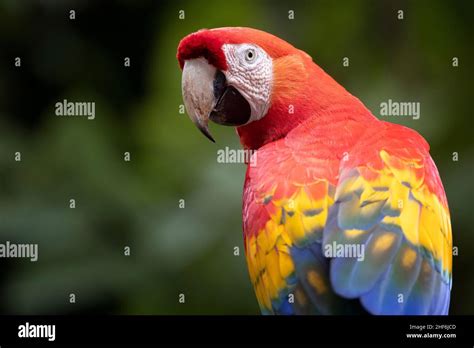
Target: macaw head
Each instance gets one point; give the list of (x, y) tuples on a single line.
[(251, 80)]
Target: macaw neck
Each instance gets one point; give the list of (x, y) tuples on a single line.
[(320, 103)]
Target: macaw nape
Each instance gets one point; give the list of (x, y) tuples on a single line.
[(342, 213)]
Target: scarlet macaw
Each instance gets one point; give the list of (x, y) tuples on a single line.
[(342, 213)]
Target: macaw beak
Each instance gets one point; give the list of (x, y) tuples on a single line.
[(207, 96)]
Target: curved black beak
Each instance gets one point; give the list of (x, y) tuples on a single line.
[(231, 109), (205, 130), (207, 96)]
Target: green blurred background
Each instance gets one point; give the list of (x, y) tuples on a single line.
[(136, 203)]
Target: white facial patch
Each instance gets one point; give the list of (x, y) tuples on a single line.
[(250, 71)]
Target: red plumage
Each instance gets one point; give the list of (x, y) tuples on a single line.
[(327, 169)]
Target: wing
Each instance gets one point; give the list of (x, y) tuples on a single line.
[(285, 206), (390, 202)]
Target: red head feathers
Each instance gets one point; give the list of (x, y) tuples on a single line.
[(300, 89), (208, 43)]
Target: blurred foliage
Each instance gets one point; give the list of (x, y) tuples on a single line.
[(136, 203)]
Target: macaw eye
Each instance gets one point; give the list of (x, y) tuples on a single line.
[(250, 55)]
